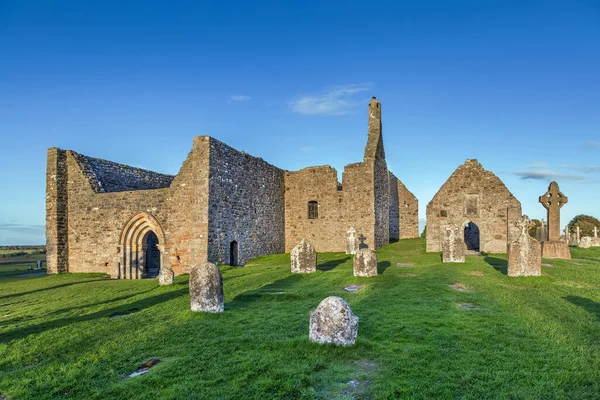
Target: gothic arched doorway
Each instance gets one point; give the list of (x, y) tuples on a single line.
[(472, 236), (141, 248)]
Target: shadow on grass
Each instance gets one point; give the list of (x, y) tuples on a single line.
[(589, 305), (48, 288), (331, 264), (498, 264), (273, 291), (382, 266), (121, 310)]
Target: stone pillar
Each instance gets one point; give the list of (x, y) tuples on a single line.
[(578, 234), (524, 254), (453, 245), (57, 213), (595, 232)]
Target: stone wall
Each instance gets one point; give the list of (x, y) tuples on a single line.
[(394, 208), (246, 205), (57, 216), (473, 194), (409, 212)]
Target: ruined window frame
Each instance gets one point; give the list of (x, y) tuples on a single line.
[(313, 209)]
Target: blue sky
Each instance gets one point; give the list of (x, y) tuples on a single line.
[(515, 84)]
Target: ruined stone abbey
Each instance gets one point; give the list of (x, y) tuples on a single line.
[(224, 206)]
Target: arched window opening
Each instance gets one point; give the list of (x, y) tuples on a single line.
[(151, 255), (313, 210)]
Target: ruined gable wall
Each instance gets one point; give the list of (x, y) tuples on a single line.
[(394, 208), (246, 204), (409, 212), (96, 220), (359, 201), (328, 231), (473, 194), (57, 216), (382, 199)]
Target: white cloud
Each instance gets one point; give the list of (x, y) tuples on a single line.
[(547, 175), (337, 100), (240, 97)]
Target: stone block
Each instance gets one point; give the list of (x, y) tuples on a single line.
[(303, 258), (333, 322), (556, 250), (166, 276), (453, 245), (587, 241), (365, 263), (206, 288), (524, 257)]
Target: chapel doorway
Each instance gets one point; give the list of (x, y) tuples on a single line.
[(151, 255), (234, 249), (472, 237)]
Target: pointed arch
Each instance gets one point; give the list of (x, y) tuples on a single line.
[(133, 245)]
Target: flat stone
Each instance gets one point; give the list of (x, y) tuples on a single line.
[(547, 265), (353, 288), (333, 322), (460, 287), (206, 288), (144, 368), (468, 306), (407, 275), (404, 265), (477, 273)]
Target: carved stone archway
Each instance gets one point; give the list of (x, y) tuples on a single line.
[(132, 246)]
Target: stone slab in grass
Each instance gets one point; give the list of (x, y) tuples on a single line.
[(144, 368), (477, 273), (404, 265), (460, 287), (547, 265), (353, 288), (468, 306), (407, 275)]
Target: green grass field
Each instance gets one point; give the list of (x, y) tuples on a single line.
[(80, 335)]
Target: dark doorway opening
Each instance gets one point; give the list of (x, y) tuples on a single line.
[(151, 255), (472, 236), (234, 249)]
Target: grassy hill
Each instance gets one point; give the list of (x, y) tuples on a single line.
[(426, 331)]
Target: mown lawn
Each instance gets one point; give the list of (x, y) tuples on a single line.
[(525, 338), (18, 265)]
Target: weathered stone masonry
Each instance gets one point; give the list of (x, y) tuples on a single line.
[(224, 206)]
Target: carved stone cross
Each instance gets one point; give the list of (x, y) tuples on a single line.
[(552, 201), (362, 244), (524, 224)]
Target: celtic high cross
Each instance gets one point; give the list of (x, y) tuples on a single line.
[(552, 201)]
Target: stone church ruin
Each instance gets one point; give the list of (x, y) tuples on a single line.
[(477, 201), (224, 207)]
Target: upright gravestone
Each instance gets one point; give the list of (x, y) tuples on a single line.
[(333, 322), (595, 232), (206, 288), (578, 233), (542, 232), (453, 245), (38, 264), (567, 234), (165, 276), (552, 201), (303, 258), (352, 242), (365, 263), (524, 254), (587, 241)]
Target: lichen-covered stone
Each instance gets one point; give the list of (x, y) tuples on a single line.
[(206, 288), (453, 245), (556, 250), (166, 276), (351, 241), (333, 322), (524, 254), (587, 241), (365, 263), (303, 258)]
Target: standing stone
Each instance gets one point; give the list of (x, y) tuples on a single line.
[(352, 242), (206, 288), (39, 264), (595, 232), (553, 200), (567, 234), (453, 246), (333, 322), (524, 254), (587, 241), (365, 263), (165, 276), (542, 233), (303, 258), (578, 234)]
